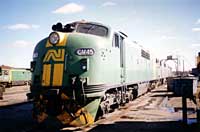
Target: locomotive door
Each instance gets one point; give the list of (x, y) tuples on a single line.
[(122, 67), (122, 59)]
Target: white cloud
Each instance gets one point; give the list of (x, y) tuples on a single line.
[(164, 37), (109, 3), (22, 26), (21, 43), (35, 26), (198, 21), (69, 8), (196, 45), (196, 29)]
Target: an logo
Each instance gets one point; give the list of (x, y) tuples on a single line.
[(55, 55)]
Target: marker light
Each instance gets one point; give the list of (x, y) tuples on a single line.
[(54, 38), (84, 63)]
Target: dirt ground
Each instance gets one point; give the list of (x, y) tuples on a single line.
[(14, 95)]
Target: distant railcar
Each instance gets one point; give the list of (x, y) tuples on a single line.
[(86, 69), (14, 76)]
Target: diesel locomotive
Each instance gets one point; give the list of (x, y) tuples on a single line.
[(83, 70)]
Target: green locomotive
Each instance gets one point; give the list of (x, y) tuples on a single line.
[(83, 70), (10, 76)]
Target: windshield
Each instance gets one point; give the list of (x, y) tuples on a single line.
[(92, 29)]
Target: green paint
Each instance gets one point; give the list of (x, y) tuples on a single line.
[(93, 106)]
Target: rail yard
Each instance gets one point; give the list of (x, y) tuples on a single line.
[(93, 66), (158, 110), (85, 76)]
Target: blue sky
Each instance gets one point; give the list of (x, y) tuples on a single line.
[(165, 27)]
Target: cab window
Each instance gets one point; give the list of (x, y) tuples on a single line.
[(5, 72), (93, 29), (115, 42)]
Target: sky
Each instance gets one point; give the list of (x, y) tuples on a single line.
[(164, 27)]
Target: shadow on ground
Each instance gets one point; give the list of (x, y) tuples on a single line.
[(164, 95), (158, 91), (125, 126), (16, 118)]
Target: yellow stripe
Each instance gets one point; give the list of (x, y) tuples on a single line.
[(64, 96), (46, 75), (86, 118), (83, 118), (63, 39), (62, 42), (65, 118), (48, 44), (58, 74)]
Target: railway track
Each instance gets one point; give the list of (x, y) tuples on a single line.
[(18, 117), (150, 107)]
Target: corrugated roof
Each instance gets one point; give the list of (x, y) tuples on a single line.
[(5, 67)]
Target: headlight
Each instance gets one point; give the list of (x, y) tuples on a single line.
[(54, 38)]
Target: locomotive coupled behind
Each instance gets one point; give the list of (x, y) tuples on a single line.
[(83, 70)]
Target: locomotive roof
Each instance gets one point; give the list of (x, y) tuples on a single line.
[(71, 27)]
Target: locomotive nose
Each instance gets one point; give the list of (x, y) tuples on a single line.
[(53, 61)]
